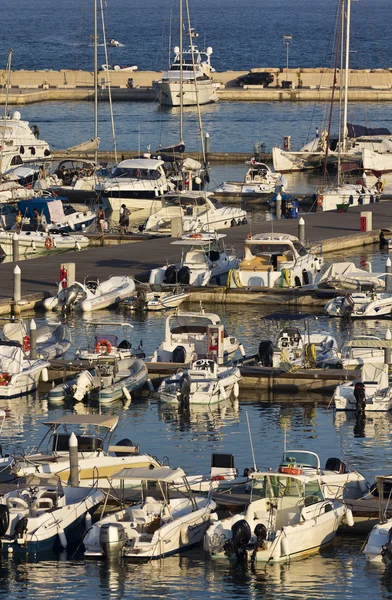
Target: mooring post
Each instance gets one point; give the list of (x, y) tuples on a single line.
[(33, 340), (207, 144), (387, 351), (301, 230), (278, 206), (15, 306), (73, 460), (388, 276), (15, 247)]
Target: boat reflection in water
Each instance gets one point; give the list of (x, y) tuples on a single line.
[(376, 425), (199, 417)]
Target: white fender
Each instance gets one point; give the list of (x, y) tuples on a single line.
[(363, 485), (45, 374), (62, 537), (236, 389), (241, 349), (88, 521), (33, 246), (126, 393), (349, 518), (223, 392), (285, 546)]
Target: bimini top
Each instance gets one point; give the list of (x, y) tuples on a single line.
[(198, 239), (272, 237), (160, 474), (108, 421), (183, 317), (140, 163)]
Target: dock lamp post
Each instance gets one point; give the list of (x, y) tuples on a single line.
[(287, 39)]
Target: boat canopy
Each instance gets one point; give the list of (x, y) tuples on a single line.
[(159, 474), (52, 209), (108, 421), (355, 131)]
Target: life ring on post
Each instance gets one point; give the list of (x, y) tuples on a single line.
[(103, 346), (49, 243), (26, 343), (196, 236)]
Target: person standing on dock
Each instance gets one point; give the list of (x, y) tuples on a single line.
[(19, 221), (124, 219), (101, 222)]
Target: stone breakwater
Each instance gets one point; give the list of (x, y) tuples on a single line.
[(305, 85)]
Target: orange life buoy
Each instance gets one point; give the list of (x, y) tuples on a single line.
[(249, 236), (196, 236), (49, 243), (291, 470), (102, 346), (218, 478), (26, 343), (319, 200), (5, 378)]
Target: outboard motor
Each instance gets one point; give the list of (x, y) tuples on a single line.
[(133, 448), (4, 519), (265, 353), (248, 471), (170, 275), (386, 550), (70, 296), (184, 275), (185, 390), (84, 384), (359, 395), (347, 306), (335, 464), (240, 538), (21, 527), (179, 354), (112, 538), (261, 536)]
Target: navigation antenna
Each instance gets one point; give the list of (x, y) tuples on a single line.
[(251, 443)]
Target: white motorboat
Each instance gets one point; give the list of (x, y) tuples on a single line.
[(372, 392), (303, 349), (337, 481), (114, 43), (360, 305), (159, 526), (275, 259), (204, 382), (42, 514), (56, 217), (21, 142), (92, 294), (378, 549), (34, 242), (189, 76), (110, 379), (197, 212), (288, 516), (138, 183), (52, 339), (97, 458), (156, 298), (19, 375), (358, 351), (223, 475), (204, 259), (107, 343), (259, 182), (192, 335)]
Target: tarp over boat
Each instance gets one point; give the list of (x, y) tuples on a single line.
[(355, 131)]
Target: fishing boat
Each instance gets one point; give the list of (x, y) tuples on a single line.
[(360, 305), (111, 379), (197, 211), (288, 516), (34, 242), (189, 80), (192, 335), (42, 514), (159, 526), (372, 392), (275, 260), (97, 458), (204, 382), (378, 548), (260, 181), (92, 294), (204, 260), (19, 375)]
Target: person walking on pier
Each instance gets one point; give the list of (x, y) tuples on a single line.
[(124, 219)]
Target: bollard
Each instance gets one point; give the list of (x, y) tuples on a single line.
[(33, 340), (15, 304), (301, 230), (388, 276), (387, 351), (15, 247), (73, 461), (278, 206)]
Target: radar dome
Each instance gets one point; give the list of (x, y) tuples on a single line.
[(16, 116), (176, 50), (209, 51)]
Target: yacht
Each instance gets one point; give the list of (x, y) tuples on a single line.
[(275, 259), (196, 85), (204, 260), (197, 210), (259, 182), (138, 183), (20, 143)]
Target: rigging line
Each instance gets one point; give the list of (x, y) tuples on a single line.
[(8, 68), (107, 80)]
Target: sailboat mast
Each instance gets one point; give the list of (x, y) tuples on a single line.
[(181, 77), (341, 95), (348, 18), (6, 106), (95, 77)]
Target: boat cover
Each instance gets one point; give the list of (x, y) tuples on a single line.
[(355, 131), (52, 209), (11, 358)]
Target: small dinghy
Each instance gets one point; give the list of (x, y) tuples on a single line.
[(108, 343), (156, 298), (42, 515), (166, 522), (19, 375), (92, 294), (53, 339), (203, 383), (372, 392), (110, 380)]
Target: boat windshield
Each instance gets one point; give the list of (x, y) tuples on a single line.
[(300, 248), (268, 248), (279, 486), (127, 173), (184, 201), (301, 458), (216, 202)]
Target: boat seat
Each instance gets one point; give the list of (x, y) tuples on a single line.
[(42, 505), (259, 263), (123, 374)]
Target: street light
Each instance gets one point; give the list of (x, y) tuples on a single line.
[(287, 39)]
